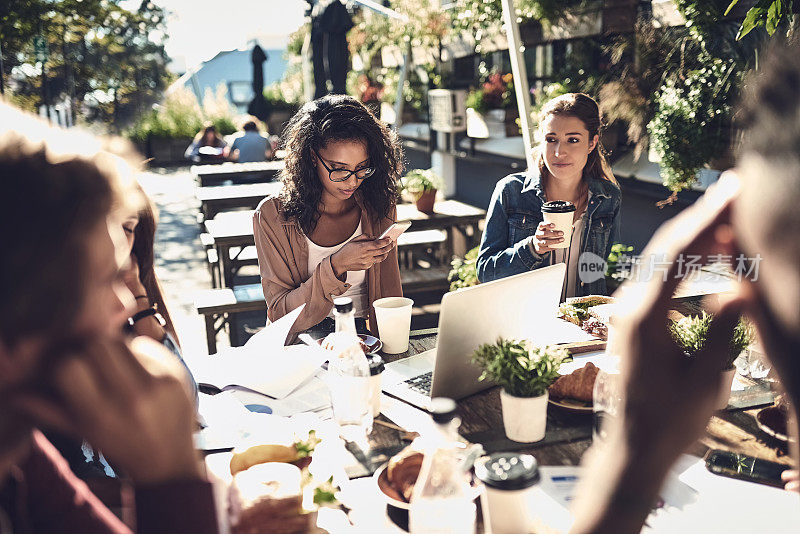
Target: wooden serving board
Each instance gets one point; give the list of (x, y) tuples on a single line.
[(580, 347)]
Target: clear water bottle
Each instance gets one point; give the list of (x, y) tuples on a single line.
[(442, 500), (349, 376)]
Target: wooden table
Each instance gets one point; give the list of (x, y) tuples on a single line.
[(459, 220), (237, 173), (482, 422), (216, 198), (568, 437)]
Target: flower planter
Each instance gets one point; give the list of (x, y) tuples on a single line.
[(494, 124), (726, 382), (524, 418), (163, 150), (426, 201)]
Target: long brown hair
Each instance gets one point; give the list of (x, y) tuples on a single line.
[(57, 187), (143, 242), (209, 128), (585, 108)]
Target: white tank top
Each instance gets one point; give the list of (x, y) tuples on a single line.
[(356, 279)]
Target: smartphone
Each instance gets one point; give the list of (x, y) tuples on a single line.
[(395, 230), (742, 467)]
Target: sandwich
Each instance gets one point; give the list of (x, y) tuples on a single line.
[(298, 453), (576, 309)]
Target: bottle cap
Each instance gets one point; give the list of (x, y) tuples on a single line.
[(507, 470), (442, 409), (376, 365), (343, 304)]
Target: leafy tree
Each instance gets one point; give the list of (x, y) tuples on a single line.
[(109, 61), (769, 14)]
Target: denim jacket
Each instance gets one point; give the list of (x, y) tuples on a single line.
[(516, 210)]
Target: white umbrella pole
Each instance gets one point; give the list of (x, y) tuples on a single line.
[(520, 73)]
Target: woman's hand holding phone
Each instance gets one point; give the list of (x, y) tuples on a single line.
[(360, 254)]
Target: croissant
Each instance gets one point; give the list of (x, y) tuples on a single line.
[(578, 385)]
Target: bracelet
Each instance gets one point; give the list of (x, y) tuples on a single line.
[(149, 312), (142, 297)]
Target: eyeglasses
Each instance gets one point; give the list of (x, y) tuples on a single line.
[(342, 175)]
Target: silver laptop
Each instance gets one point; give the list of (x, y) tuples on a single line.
[(522, 306)]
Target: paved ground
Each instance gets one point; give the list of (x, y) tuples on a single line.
[(181, 262), (180, 259)]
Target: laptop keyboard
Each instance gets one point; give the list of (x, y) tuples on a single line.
[(421, 383)]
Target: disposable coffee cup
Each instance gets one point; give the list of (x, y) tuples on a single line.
[(560, 214), (393, 315), (510, 480)]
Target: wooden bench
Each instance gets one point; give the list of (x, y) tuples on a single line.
[(414, 249), (422, 248), (218, 305)]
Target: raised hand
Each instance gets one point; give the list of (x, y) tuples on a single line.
[(130, 401)]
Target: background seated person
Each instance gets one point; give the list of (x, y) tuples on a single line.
[(250, 145), (317, 239), (64, 365), (572, 167), (207, 147)]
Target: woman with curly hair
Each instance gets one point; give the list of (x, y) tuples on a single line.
[(317, 240)]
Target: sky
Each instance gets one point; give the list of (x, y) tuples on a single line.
[(198, 29)]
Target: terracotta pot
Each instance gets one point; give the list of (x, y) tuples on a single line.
[(426, 201), (726, 379), (524, 418)]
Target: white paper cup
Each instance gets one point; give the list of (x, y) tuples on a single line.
[(560, 214), (393, 315)]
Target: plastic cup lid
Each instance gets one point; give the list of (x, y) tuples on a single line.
[(558, 206), (507, 470)]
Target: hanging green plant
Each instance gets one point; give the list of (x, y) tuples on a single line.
[(691, 123)]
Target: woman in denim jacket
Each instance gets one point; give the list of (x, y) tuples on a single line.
[(571, 167)]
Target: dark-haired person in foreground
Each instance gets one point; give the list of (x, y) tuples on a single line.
[(668, 399), (317, 240), (64, 365)]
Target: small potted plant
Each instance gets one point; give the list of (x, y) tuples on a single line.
[(524, 372), (690, 333), (422, 185)]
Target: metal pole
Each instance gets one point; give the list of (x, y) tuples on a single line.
[(520, 73), (399, 100), (2, 79)]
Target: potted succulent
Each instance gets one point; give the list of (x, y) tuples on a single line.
[(524, 372), (690, 333), (422, 185)]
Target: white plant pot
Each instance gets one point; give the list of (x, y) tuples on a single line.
[(524, 418), (489, 125), (726, 379)]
